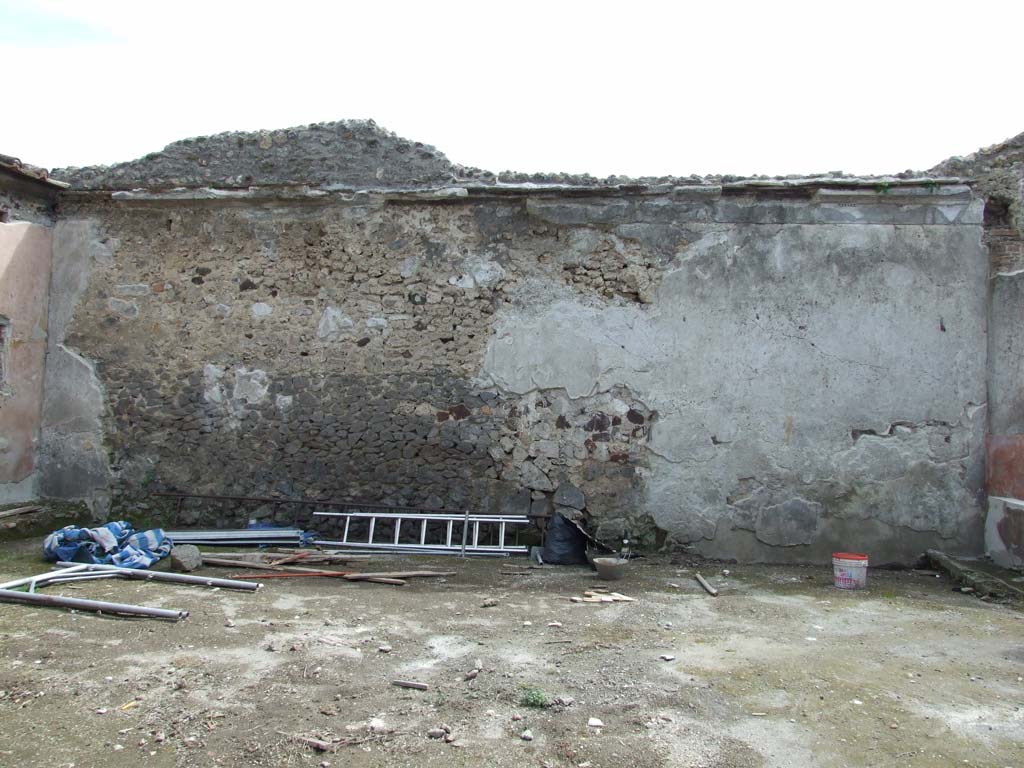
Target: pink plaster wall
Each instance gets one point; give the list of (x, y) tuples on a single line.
[(25, 251)]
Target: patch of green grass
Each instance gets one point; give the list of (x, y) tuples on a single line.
[(534, 697)]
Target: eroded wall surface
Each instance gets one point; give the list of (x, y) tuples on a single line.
[(24, 278), (762, 373), (998, 173)]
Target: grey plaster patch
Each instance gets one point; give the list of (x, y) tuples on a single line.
[(251, 385), (72, 459), (333, 325), (480, 273), (126, 309), (213, 391), (133, 289), (26, 489), (764, 348), (788, 524), (410, 266), (533, 477)]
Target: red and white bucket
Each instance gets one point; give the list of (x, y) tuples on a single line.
[(850, 569)]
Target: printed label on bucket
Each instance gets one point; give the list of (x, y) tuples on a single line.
[(850, 570)]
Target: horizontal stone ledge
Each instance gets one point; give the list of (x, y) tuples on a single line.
[(881, 188), (849, 181), (845, 209)]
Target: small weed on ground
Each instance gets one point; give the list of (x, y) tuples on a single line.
[(533, 697)]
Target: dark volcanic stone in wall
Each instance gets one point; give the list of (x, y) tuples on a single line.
[(331, 351), (332, 436), (349, 153), (482, 351)]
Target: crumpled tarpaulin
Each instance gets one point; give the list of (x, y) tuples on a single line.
[(115, 543)]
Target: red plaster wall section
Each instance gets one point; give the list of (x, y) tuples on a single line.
[(1005, 466), (1005, 478)]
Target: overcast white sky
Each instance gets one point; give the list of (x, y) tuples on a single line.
[(637, 88)]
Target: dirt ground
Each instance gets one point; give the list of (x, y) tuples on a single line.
[(780, 670)]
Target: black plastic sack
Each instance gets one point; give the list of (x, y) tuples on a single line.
[(565, 543)]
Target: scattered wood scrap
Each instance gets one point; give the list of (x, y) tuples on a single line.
[(316, 555), (398, 575), (19, 511), (602, 596), (397, 579), (284, 556), (321, 745), (374, 579), (411, 684), (306, 556), (707, 587), (318, 744), (225, 562)]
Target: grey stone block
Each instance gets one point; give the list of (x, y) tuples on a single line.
[(186, 558), (570, 496)]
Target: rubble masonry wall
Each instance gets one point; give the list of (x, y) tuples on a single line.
[(760, 373)]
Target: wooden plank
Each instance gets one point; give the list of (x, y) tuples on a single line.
[(225, 562), (19, 511), (290, 558), (397, 575), (296, 569), (329, 574)]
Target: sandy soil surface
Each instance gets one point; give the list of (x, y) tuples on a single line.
[(780, 670)]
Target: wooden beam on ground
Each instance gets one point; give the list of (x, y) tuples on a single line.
[(19, 511)]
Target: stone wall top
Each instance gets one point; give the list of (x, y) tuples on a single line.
[(998, 172), (349, 153), (360, 155), (26, 194)]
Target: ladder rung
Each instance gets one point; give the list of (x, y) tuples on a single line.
[(409, 516), (469, 527)]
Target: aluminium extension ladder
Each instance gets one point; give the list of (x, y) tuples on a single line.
[(467, 540)]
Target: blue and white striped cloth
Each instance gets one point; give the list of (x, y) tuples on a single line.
[(114, 543)]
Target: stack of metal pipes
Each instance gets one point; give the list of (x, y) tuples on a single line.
[(65, 572)]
